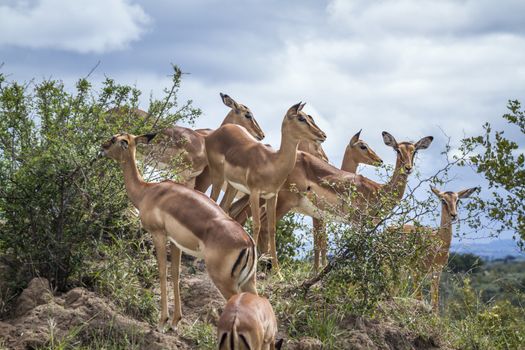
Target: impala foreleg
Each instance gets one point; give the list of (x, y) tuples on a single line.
[(271, 206), (159, 241), (175, 278), (434, 290)]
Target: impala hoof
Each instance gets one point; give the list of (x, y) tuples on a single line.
[(161, 328)]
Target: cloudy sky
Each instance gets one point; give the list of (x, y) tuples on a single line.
[(411, 67)]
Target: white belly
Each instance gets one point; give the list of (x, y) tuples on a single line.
[(306, 207), (196, 253), (239, 187)]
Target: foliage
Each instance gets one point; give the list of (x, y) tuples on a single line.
[(56, 199), (464, 262), (203, 334), (501, 161)]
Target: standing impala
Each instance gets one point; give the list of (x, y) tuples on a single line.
[(357, 152), (187, 143), (432, 264), (191, 222), (318, 189), (247, 322), (255, 169)]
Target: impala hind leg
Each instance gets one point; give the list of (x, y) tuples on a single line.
[(159, 241), (175, 278), (217, 179), (256, 215), (434, 290)]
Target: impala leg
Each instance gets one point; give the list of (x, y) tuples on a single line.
[(203, 181), (271, 205), (159, 240), (317, 243), (217, 179), (228, 198), (175, 278), (324, 241), (256, 222), (436, 277)]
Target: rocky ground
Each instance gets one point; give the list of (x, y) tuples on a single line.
[(43, 319)]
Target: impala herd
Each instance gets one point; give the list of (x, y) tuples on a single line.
[(296, 177)]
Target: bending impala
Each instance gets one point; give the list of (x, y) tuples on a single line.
[(187, 143), (433, 263), (255, 169), (318, 189), (191, 222), (247, 322)]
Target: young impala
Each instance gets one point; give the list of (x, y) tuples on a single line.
[(247, 323), (191, 222)]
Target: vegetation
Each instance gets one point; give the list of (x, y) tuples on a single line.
[(64, 216)]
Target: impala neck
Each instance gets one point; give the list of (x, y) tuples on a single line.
[(398, 182), (286, 155), (445, 228), (133, 181), (349, 163)]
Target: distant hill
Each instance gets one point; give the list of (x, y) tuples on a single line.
[(496, 249)]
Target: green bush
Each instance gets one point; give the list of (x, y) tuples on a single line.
[(57, 201)]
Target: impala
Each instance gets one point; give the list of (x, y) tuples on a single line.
[(357, 152), (254, 168), (248, 323), (432, 264), (191, 222)]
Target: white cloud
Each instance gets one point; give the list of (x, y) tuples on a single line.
[(81, 26)]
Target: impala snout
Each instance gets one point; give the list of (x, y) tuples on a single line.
[(321, 138), (408, 169)]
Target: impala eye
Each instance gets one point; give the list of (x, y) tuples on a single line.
[(363, 147), (302, 119), (113, 139), (443, 201), (248, 116)]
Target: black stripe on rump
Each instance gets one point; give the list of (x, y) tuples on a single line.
[(238, 261), (244, 341)]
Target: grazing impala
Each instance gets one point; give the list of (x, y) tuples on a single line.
[(318, 189), (248, 323), (432, 264), (191, 222), (255, 169), (178, 141)]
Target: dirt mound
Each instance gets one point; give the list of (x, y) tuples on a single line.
[(79, 313)]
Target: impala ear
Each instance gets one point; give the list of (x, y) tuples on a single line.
[(228, 101), (146, 138), (389, 140), (124, 144), (355, 138), (436, 191), (424, 142), (294, 109), (467, 193), (279, 344), (301, 106)]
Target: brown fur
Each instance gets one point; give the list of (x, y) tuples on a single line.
[(247, 319), (257, 170), (190, 221)]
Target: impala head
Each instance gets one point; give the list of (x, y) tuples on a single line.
[(241, 115), (122, 144), (450, 200), (361, 152), (301, 126), (406, 150)]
